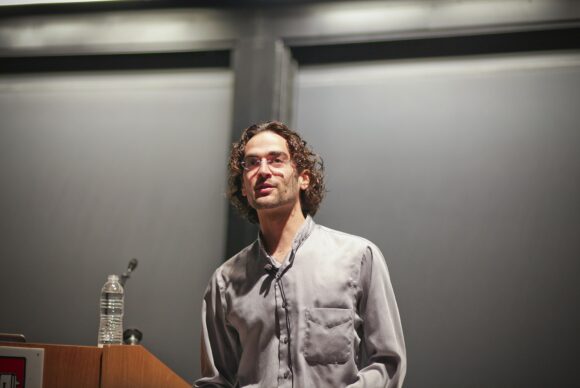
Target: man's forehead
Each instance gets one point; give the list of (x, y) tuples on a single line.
[(265, 143)]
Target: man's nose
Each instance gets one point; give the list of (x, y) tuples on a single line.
[(264, 168)]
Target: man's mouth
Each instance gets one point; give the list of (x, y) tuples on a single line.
[(263, 189)]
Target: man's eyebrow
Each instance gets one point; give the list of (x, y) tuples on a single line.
[(271, 153)]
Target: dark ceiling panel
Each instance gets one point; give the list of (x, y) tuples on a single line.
[(147, 61), (557, 39)]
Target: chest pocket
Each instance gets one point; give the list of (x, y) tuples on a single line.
[(329, 335)]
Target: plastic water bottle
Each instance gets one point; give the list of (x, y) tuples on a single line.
[(112, 300)]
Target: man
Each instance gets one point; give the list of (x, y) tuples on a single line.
[(304, 305)]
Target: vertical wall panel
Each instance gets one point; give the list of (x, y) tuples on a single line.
[(465, 171), (97, 168)]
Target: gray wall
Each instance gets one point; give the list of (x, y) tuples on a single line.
[(466, 174), (97, 169)]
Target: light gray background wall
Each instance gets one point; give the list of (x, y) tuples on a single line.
[(96, 169), (466, 173)]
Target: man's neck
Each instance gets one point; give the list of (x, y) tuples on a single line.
[(278, 231)]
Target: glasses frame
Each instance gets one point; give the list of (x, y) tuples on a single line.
[(270, 159)]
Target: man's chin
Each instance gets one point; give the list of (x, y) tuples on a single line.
[(267, 202)]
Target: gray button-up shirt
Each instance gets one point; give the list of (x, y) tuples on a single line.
[(327, 317)]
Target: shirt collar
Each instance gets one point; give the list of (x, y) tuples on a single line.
[(303, 232)]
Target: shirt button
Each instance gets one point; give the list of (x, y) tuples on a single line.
[(286, 374), (284, 339)]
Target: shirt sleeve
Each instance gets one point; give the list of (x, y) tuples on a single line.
[(384, 362), (220, 347)]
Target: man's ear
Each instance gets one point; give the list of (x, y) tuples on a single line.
[(304, 179)]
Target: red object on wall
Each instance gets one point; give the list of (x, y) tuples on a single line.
[(12, 371)]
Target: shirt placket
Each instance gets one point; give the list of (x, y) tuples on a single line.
[(285, 376)]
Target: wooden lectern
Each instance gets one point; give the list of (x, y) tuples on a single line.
[(112, 366)]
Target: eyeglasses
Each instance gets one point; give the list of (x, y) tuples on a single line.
[(275, 160)]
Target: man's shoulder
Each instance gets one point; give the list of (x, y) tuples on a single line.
[(246, 253), (234, 264), (343, 238)]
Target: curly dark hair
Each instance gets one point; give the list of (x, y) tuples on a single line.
[(302, 156)]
